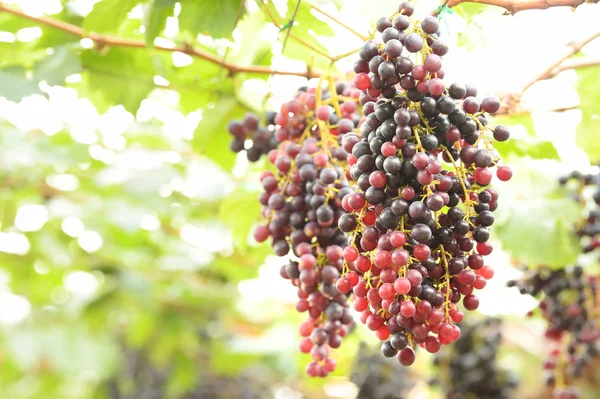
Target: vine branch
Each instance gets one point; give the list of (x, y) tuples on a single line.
[(565, 62), (514, 6), (105, 40), (554, 69), (337, 21)]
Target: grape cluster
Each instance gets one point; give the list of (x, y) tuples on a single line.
[(589, 231), (262, 139), (379, 378), (302, 202), (569, 305), (470, 369), (419, 221)]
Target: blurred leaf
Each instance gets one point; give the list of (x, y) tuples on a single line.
[(471, 38), (107, 15), (338, 3), (123, 76), (183, 377), (140, 329), (588, 129), (469, 10), (155, 18), (531, 146), (57, 66), (306, 21), (524, 120), (14, 85), (253, 50), (211, 138), (215, 18), (240, 210), (535, 219), (298, 51)]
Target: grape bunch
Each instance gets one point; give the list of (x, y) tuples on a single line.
[(471, 369), (262, 139), (302, 202), (379, 378), (419, 221), (569, 304), (589, 230)]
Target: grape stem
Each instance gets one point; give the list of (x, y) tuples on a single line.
[(106, 40), (514, 6), (337, 21)]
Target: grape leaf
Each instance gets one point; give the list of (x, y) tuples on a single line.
[(107, 15), (527, 146), (123, 76), (215, 18), (155, 18), (14, 85), (252, 49), (469, 10), (588, 129), (211, 138), (305, 20), (537, 228), (240, 210), (57, 66), (524, 120)]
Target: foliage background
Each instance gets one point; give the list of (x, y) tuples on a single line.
[(126, 267)]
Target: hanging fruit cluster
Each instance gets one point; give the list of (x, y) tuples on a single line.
[(419, 221), (302, 202), (381, 192)]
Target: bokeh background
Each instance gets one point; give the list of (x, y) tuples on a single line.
[(127, 269)]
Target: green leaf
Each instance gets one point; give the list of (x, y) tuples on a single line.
[(297, 51), (211, 138), (240, 210), (537, 228), (215, 18), (469, 10), (14, 85), (123, 76), (57, 66), (524, 146), (253, 50), (524, 120), (140, 329), (155, 18), (108, 15), (588, 129), (305, 20)]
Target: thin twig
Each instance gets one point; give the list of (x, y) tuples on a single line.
[(337, 21), (291, 24), (549, 72), (294, 37), (102, 40), (514, 6)]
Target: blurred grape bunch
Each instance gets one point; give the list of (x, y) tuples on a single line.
[(470, 368), (378, 377), (142, 379)]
